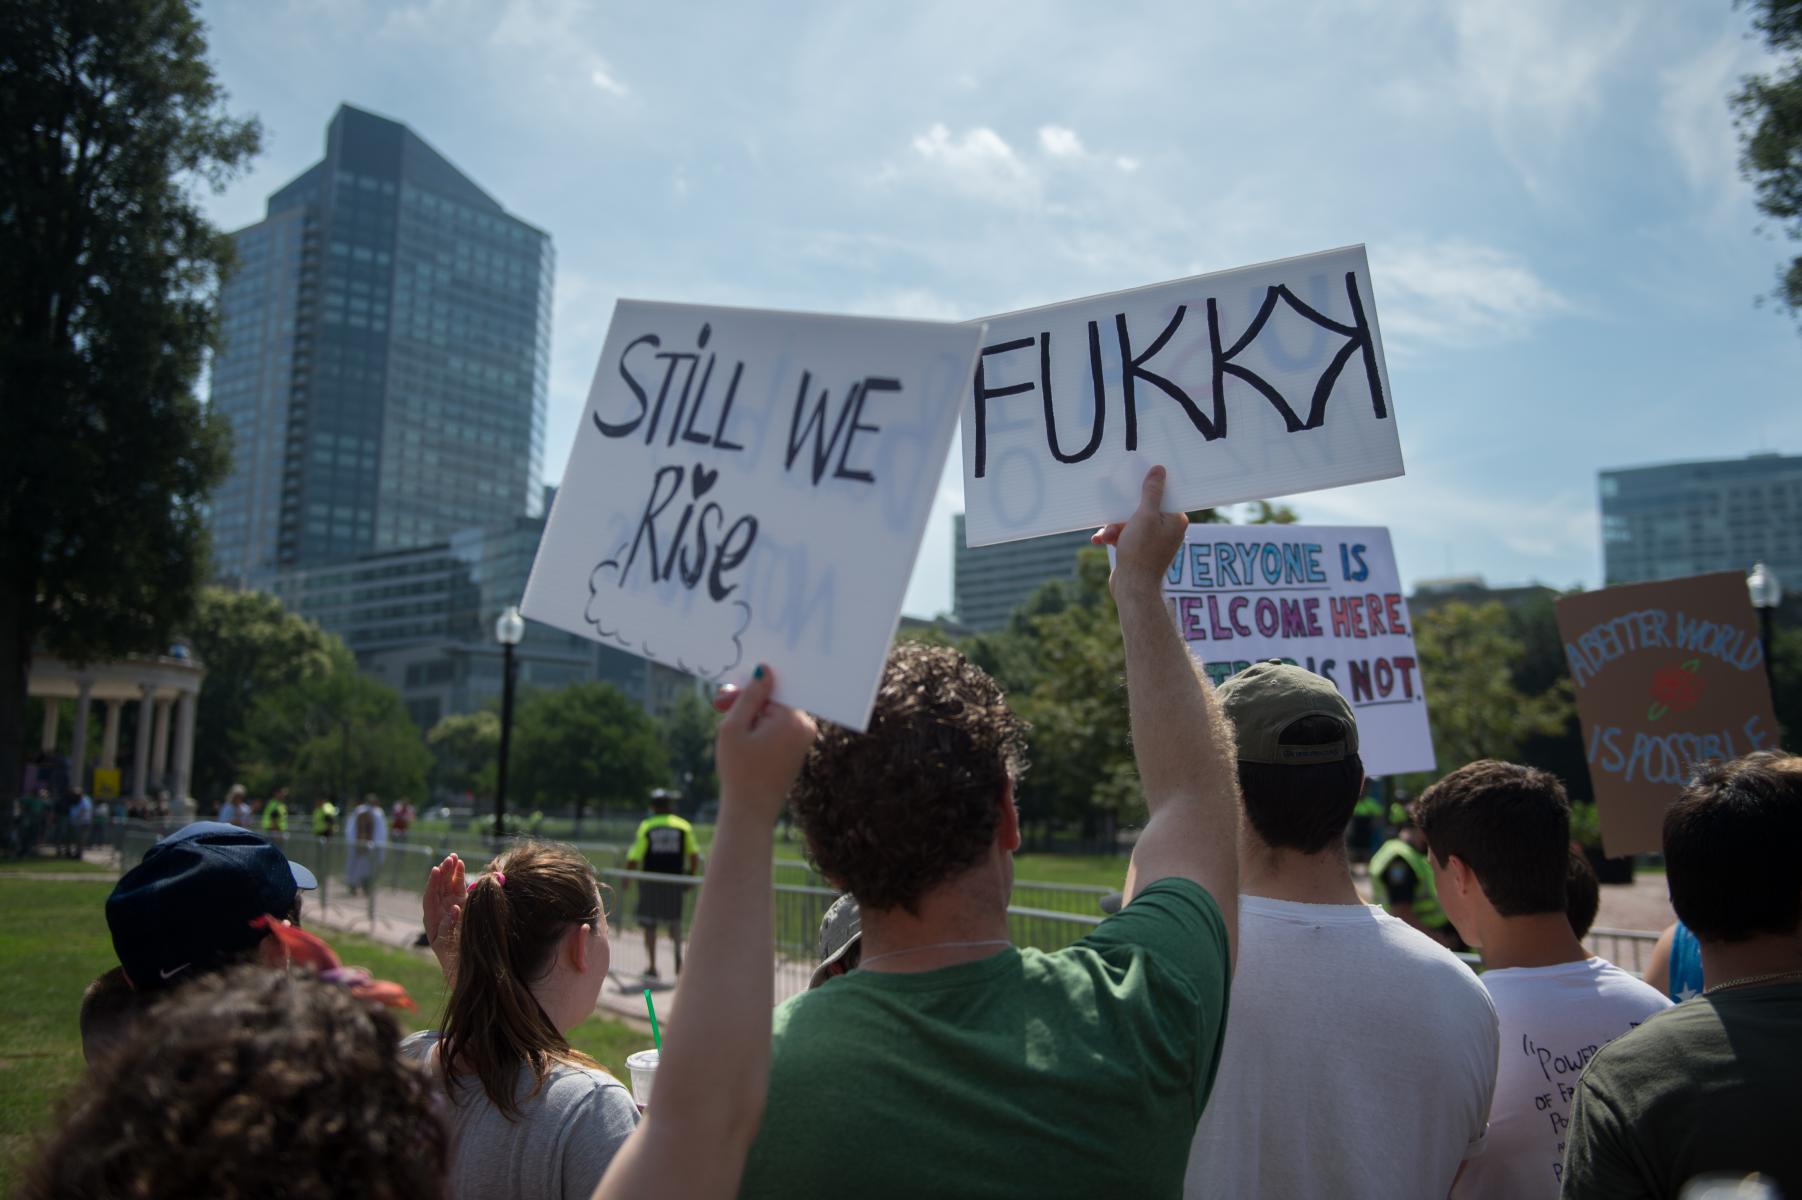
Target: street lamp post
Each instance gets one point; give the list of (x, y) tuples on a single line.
[(1767, 594), (509, 628)]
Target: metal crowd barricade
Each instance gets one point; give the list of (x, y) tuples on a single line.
[(798, 910), (1619, 946)]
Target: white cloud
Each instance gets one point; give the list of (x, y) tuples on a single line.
[(913, 303), (607, 83), (979, 163), (1127, 164), (1444, 526), (1538, 69), (1696, 119), (1060, 142), (1455, 293)]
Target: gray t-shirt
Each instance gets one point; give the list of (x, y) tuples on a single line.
[(564, 1138)]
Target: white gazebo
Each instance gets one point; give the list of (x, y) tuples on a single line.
[(166, 690)]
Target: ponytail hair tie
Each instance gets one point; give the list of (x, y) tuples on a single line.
[(499, 877)]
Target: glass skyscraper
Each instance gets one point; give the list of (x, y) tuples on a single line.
[(1685, 518), (385, 359)]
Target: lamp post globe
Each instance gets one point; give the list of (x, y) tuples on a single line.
[(509, 630)]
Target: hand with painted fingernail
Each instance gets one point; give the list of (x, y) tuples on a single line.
[(760, 747)]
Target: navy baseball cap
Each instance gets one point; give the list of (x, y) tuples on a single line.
[(187, 907)]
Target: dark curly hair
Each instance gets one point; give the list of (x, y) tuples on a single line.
[(253, 1082), (893, 811)]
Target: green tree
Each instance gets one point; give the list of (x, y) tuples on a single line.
[(1082, 758), (584, 743), (1468, 657), (1786, 690), (687, 732), (109, 119), (250, 646), (465, 751), (1063, 665), (338, 734), (1768, 110), (1534, 624)]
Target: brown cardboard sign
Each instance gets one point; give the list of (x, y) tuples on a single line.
[(1668, 675)]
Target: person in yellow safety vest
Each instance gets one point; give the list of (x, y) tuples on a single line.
[(1402, 881), (275, 812), (664, 845), (325, 818)]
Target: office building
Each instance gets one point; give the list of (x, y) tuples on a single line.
[(421, 619), (384, 362), (1687, 518), (989, 582)]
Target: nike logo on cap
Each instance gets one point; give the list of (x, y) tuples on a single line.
[(174, 971)]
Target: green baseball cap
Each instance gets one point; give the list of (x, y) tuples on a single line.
[(1266, 698)]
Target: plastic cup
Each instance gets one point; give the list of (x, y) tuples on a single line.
[(643, 1066)]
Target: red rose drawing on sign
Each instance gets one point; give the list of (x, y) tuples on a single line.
[(1676, 689)]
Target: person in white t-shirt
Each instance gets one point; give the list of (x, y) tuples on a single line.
[(1360, 1055), (1499, 843)]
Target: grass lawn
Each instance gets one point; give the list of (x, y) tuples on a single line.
[(1103, 870), (54, 866), (53, 941)]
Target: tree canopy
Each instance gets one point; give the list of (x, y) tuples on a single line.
[(1468, 657), (583, 744), (250, 646), (465, 751), (338, 734), (109, 119), (687, 734), (1768, 107)]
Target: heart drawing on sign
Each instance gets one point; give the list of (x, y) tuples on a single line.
[(701, 479)]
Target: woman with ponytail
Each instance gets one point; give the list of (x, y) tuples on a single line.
[(524, 949)]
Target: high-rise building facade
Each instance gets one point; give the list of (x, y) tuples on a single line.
[(1686, 518), (385, 358), (421, 619), (989, 582)]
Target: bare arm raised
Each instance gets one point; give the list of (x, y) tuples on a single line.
[(715, 1069), (1181, 740)]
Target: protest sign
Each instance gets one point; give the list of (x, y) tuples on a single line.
[(1246, 384), (750, 486), (1327, 598), (1668, 675)]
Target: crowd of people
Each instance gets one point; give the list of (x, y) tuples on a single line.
[(1245, 1024)]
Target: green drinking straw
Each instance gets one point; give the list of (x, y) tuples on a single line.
[(652, 1009)]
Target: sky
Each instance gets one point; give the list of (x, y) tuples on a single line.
[(1566, 263)]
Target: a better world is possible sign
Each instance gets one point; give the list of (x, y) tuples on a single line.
[(1668, 675)]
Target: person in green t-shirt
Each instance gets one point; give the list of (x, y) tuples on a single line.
[(1712, 1085), (952, 1062)]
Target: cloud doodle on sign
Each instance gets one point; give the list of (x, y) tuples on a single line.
[(720, 626)]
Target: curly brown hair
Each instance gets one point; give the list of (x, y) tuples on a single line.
[(253, 1082), (893, 811)]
